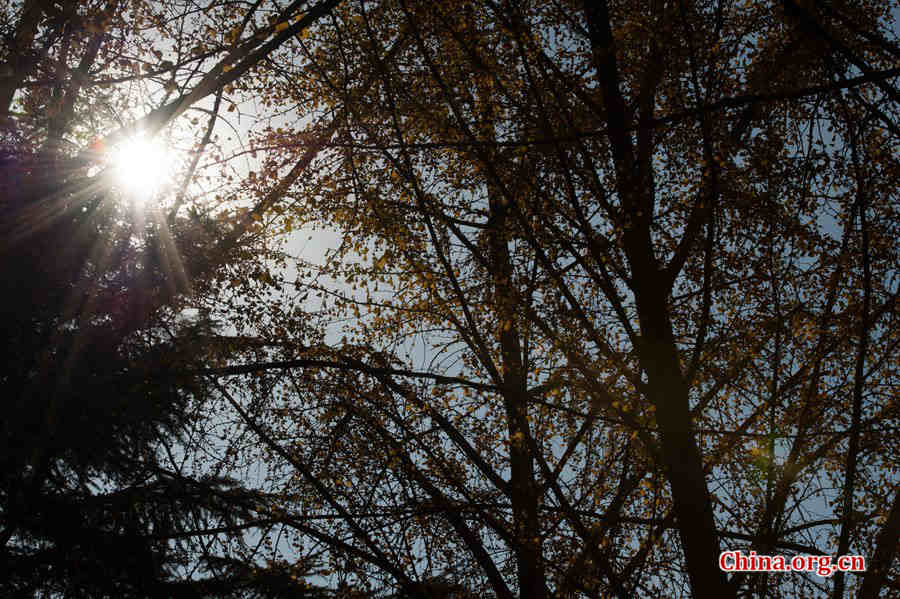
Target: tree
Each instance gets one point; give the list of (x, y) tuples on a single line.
[(93, 501), (617, 290), (614, 290)]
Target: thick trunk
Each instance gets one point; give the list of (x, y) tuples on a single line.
[(667, 388), (523, 489), (668, 391), (885, 553)]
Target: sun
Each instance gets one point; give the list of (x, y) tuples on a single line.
[(141, 166)]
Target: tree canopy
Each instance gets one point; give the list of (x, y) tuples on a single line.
[(475, 299)]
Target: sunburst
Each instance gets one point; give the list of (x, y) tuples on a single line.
[(141, 167)]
